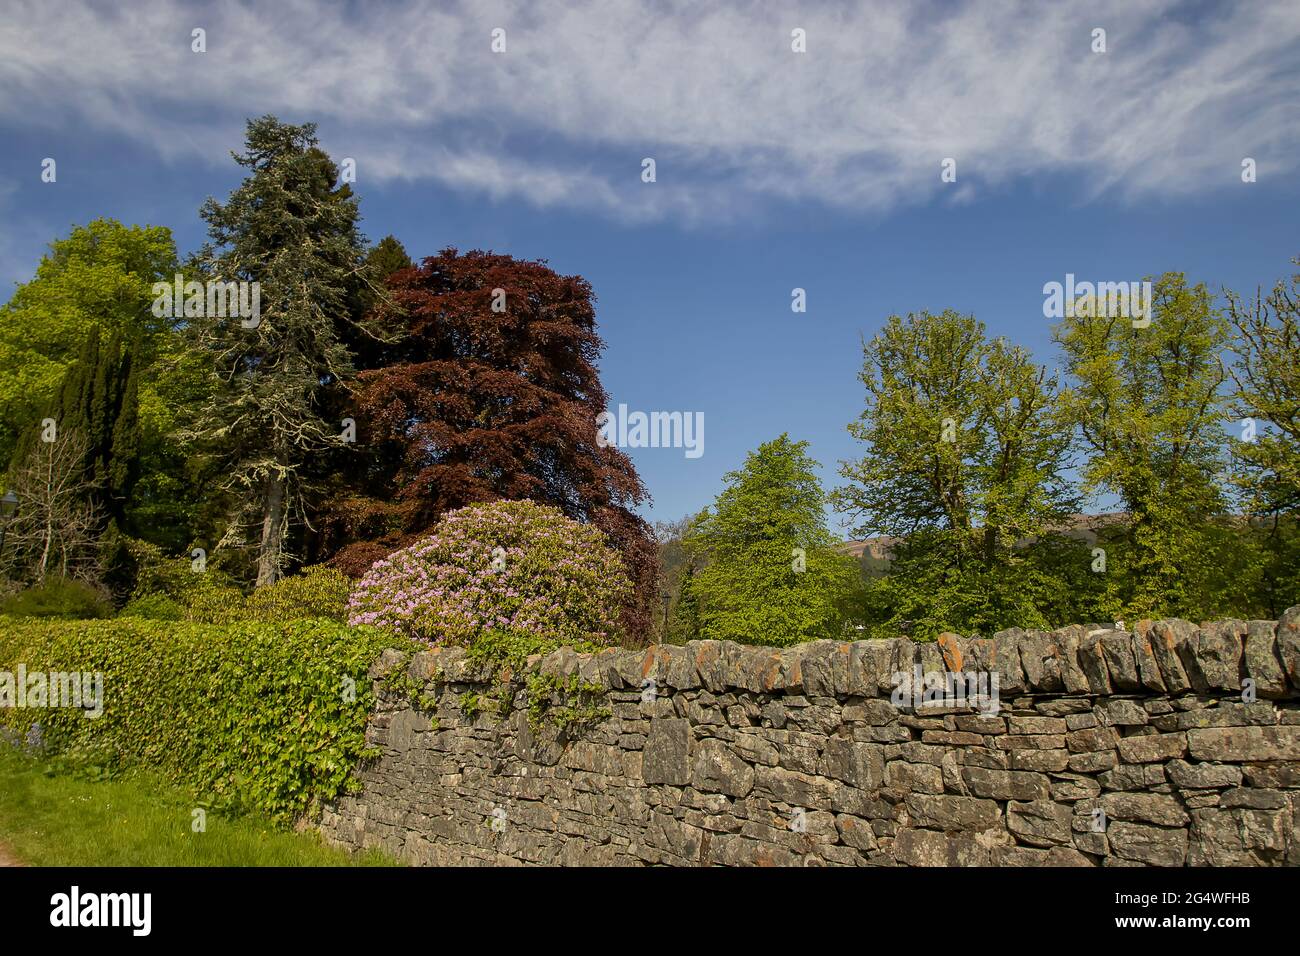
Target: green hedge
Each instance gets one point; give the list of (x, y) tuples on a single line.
[(249, 716)]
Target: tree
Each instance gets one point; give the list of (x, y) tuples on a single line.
[(965, 463), (774, 574), (490, 391), (102, 276), (98, 400), (1266, 398), (1149, 409), (677, 567), (289, 228), (385, 258), (1267, 378), (343, 476), (55, 530)]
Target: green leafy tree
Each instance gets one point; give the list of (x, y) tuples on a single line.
[(291, 229), (1266, 399), (677, 567), (1147, 400), (177, 500), (101, 275), (964, 464), (774, 573)]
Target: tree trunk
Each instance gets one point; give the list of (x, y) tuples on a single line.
[(268, 556), (990, 544)]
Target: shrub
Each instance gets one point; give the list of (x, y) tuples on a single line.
[(209, 597), (318, 591), (510, 566), (58, 597), (153, 607), (249, 716)]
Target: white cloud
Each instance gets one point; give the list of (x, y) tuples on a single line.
[(734, 119)]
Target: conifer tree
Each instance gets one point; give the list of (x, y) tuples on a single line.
[(98, 399), (289, 227)]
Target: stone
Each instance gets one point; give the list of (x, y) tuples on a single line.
[(1288, 645), (1092, 661), (1068, 787), (1166, 637), (1261, 661), (928, 848), (1227, 714), (1121, 664), (979, 724), (1066, 642), (947, 812), (1253, 799), (1092, 762), (1040, 760), (1036, 725), (406, 725), (797, 789), (1006, 784), (856, 833), (754, 756), (1212, 657), (1132, 777), (919, 778), (1158, 808), (859, 764), (1118, 712), (1237, 837), (1245, 744), (1140, 842), (1040, 823), (1198, 776), (1038, 659), (1152, 747), (1269, 775), (1091, 740), (1143, 653), (667, 752), (717, 770)]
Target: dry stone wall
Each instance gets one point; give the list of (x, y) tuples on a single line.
[(1168, 745)]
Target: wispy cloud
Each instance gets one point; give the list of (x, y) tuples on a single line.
[(733, 118)]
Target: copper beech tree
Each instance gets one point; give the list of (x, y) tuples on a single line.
[(479, 384)]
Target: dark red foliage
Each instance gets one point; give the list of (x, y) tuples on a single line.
[(474, 405)]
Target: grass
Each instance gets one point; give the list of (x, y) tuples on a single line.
[(53, 818)]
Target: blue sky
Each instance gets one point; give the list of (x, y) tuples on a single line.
[(775, 169)]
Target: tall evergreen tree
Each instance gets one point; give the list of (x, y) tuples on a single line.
[(289, 227), (99, 399)]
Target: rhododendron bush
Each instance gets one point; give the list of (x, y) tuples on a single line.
[(512, 566)]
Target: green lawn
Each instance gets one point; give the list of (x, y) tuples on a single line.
[(53, 819)]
